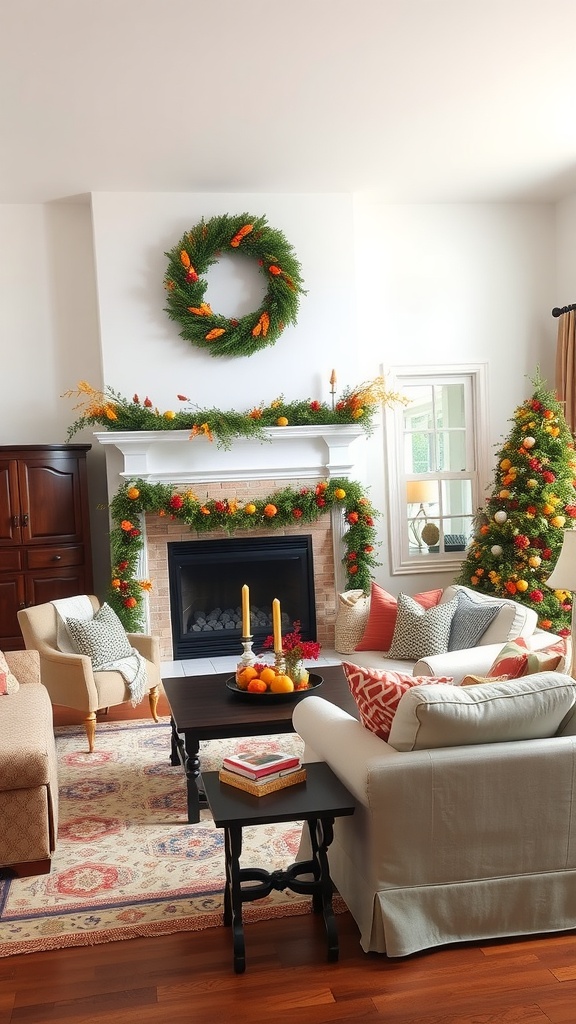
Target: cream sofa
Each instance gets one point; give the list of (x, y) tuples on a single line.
[(448, 842), (28, 774), (513, 620)]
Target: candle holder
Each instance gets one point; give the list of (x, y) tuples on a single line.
[(279, 663), (247, 657)]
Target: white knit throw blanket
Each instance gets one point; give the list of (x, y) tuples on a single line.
[(132, 669)]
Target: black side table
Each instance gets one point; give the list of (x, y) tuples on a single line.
[(318, 800)]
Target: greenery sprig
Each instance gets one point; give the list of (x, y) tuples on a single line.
[(281, 508), (198, 250), (112, 411)]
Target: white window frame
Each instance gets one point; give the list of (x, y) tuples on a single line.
[(476, 378)]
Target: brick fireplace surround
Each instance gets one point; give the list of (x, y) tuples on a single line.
[(297, 457)]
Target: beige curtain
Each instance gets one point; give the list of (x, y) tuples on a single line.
[(566, 366)]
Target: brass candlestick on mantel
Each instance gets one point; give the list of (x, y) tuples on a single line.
[(333, 387)]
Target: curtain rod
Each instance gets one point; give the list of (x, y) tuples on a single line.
[(565, 309)]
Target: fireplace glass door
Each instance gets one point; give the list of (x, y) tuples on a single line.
[(206, 579)]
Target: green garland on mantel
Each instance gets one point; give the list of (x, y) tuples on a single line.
[(111, 410), (281, 508)]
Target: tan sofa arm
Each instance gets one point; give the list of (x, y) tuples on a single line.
[(25, 665), (66, 674)]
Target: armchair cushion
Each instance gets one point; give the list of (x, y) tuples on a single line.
[(8, 681), (377, 694), (533, 707), (513, 619), (103, 638)]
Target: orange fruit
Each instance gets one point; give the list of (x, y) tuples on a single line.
[(256, 686), (267, 675), (245, 675), (281, 684)]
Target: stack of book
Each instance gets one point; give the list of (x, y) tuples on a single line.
[(261, 774)]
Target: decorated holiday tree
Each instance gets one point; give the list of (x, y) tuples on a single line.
[(519, 532)]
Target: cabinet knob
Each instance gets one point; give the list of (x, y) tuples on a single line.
[(15, 522), (25, 519), (56, 558)]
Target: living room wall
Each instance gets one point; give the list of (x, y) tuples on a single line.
[(81, 297)]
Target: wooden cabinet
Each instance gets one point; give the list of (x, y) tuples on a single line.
[(45, 549)]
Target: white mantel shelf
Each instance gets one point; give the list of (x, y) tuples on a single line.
[(171, 456)]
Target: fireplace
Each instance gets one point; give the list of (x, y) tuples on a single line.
[(299, 456), (205, 580)]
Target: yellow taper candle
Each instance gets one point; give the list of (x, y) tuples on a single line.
[(276, 626), (245, 610)]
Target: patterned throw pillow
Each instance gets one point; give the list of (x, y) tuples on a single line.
[(379, 629), (555, 658), (8, 682), (377, 694), (421, 633), (470, 622), (512, 661), (102, 639)]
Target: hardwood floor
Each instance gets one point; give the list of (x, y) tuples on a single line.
[(189, 977)]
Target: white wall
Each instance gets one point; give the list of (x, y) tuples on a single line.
[(457, 283), (387, 285), (141, 348)]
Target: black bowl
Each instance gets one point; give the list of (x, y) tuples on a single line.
[(314, 682)]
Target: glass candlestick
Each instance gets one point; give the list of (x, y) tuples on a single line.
[(279, 663), (247, 658)]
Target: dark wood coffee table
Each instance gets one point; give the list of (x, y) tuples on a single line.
[(203, 708), (318, 801)]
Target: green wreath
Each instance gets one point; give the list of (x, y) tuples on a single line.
[(198, 250)]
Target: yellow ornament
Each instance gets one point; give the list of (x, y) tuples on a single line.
[(250, 509), (133, 493), (281, 421), (558, 521), (521, 585), (169, 415)]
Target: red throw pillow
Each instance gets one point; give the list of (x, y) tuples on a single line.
[(379, 629), (377, 694), (3, 683)]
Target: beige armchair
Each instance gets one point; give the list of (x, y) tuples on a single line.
[(70, 679)]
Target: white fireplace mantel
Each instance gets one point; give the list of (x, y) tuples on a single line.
[(171, 456)]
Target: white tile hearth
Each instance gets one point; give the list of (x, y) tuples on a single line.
[(207, 666)]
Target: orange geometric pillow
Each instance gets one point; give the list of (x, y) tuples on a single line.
[(379, 629), (377, 694)]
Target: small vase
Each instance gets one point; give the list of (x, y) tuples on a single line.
[(296, 671)]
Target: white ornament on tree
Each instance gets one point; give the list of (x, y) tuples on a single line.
[(529, 442), (496, 549), (501, 516)]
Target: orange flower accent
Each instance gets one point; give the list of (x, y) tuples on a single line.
[(255, 414), (145, 585), (245, 230), (205, 511), (184, 259), (115, 584), (130, 602), (216, 332), (484, 529), (274, 270), (270, 511), (126, 525), (133, 493)]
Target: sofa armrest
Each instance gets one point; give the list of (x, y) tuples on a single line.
[(332, 735), (475, 661), (147, 646), (24, 665)]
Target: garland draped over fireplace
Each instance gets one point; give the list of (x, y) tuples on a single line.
[(281, 508)]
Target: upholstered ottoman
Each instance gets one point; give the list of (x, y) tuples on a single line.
[(28, 776)]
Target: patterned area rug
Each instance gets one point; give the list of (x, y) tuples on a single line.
[(127, 862)]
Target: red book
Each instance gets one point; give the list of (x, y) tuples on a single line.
[(258, 766)]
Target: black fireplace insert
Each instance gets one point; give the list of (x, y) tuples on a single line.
[(206, 579)]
